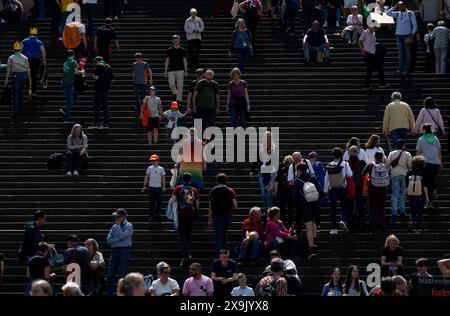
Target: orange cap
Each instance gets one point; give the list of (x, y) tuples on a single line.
[(154, 157), (174, 105)]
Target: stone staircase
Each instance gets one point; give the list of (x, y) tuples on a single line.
[(316, 107)]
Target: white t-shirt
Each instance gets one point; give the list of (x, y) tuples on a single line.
[(238, 291), (82, 28), (371, 153), (291, 171), (155, 175), (346, 172), (164, 289)]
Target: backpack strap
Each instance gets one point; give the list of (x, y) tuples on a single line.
[(432, 117)]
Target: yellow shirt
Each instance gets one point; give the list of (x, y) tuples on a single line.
[(64, 4)]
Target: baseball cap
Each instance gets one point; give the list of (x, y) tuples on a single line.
[(120, 212), (154, 157), (174, 105), (152, 88)]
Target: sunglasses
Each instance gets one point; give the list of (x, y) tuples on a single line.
[(166, 272)]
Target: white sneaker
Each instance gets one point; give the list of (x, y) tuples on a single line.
[(69, 174), (75, 173), (325, 24), (337, 24), (333, 232)]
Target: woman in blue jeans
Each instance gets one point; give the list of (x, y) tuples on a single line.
[(238, 103), (241, 43), (266, 179)]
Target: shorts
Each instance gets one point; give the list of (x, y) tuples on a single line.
[(310, 212), (153, 122)]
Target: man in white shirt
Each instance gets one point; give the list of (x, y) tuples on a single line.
[(335, 187), (400, 162), (297, 157), (155, 182)]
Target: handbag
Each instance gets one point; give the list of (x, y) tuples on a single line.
[(409, 40), (440, 132), (56, 261), (351, 190), (144, 119), (366, 183), (394, 162)]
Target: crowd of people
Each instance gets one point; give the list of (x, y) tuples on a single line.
[(357, 178)]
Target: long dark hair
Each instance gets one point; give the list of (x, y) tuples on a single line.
[(429, 103), (340, 281), (348, 280)]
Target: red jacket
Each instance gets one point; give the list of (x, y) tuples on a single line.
[(247, 226)]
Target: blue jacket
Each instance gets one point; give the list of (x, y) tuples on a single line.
[(319, 172), (31, 240), (120, 235)]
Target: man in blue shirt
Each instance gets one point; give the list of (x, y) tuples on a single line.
[(406, 28), (119, 238), (314, 41), (35, 52)]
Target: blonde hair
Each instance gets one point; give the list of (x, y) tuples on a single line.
[(239, 22), (288, 159), (391, 237), (126, 285)]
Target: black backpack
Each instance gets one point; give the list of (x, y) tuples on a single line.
[(79, 84), (268, 290), (55, 161), (221, 202)]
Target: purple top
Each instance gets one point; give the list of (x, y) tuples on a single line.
[(275, 228)]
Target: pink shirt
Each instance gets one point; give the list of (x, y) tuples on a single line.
[(369, 41), (275, 228), (202, 287)]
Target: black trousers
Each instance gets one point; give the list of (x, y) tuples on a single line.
[(101, 104), (252, 25), (194, 47), (431, 172), (75, 162), (34, 70), (56, 16), (373, 62), (114, 5), (154, 201)]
